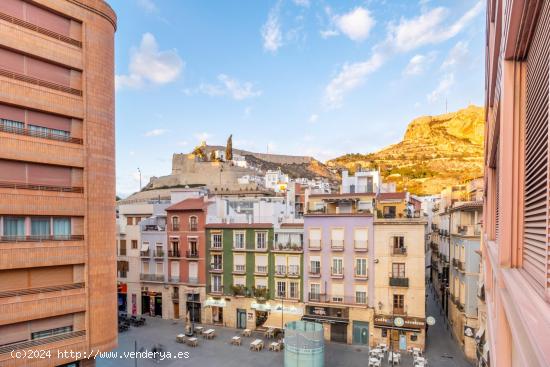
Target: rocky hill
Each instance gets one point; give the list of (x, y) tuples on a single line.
[(435, 152)]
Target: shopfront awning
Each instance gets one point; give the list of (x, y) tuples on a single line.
[(144, 246), (278, 320), (215, 302)]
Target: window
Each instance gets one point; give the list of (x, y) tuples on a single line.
[(361, 238), (129, 221), (337, 292), (293, 289), (51, 332), (217, 240), (193, 223), (398, 242), (175, 223), (281, 289), (14, 226), (62, 227), (398, 270), (238, 240), (261, 282), (337, 266), (193, 248), (217, 283), (315, 238), (398, 304), (261, 264), (40, 227), (134, 244), (46, 131), (217, 261), (11, 126), (314, 292), (261, 240), (389, 211), (239, 262), (315, 267), (122, 247), (361, 267), (361, 297), (239, 281)]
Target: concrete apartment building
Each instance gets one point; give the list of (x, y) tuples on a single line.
[(338, 237), (515, 286), (57, 178), (399, 275)]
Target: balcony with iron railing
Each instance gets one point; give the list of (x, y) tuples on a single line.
[(337, 245), (174, 253), (30, 186), (145, 253), (468, 230), (151, 277), (216, 267), (360, 274), (314, 272), (337, 273), (215, 289), (216, 246), (314, 245), (159, 253), (293, 271), (41, 238), (260, 293), (191, 254), (399, 281), (193, 280), (239, 247), (173, 279), (399, 251), (239, 269), (69, 338), (336, 299), (280, 270), (287, 247), (360, 246), (261, 270)]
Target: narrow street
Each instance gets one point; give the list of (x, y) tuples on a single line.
[(441, 348)]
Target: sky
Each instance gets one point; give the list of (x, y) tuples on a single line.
[(303, 77)]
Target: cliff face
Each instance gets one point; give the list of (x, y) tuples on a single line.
[(436, 151)]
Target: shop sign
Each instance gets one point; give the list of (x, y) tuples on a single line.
[(250, 315), (407, 322), (469, 331), (215, 302), (291, 310), (260, 306)]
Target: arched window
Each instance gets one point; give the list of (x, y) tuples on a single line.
[(175, 223), (193, 223)]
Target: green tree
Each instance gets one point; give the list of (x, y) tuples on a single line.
[(229, 148)]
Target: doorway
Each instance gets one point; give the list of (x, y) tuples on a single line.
[(261, 317), (241, 318), (217, 315), (339, 333), (360, 333), (158, 305), (176, 310), (145, 307)]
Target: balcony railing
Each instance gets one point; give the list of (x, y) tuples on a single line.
[(287, 247), (293, 270), (280, 270), (41, 341), (359, 274), (174, 253), (337, 245), (216, 246), (174, 279), (41, 238), (239, 246), (315, 271), (216, 267), (159, 253), (336, 272), (239, 269), (261, 293), (38, 134), (399, 282), (175, 227), (338, 299), (191, 254), (399, 250), (145, 253), (468, 230), (360, 245), (314, 244), (24, 292), (151, 277), (261, 269), (215, 289), (193, 280)]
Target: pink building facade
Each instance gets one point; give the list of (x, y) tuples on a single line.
[(514, 292)]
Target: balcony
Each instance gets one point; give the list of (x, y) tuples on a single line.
[(159, 253), (337, 245), (42, 238), (399, 282), (399, 251), (239, 247), (193, 280), (360, 246), (261, 293), (261, 269), (73, 338), (174, 253), (215, 289), (288, 247), (191, 254), (174, 279), (314, 272), (314, 245), (239, 269), (145, 253), (216, 247), (468, 230), (23, 186), (216, 267), (337, 273), (24, 253), (238, 290), (280, 270), (293, 271), (360, 275), (336, 299), (151, 277), (36, 303)]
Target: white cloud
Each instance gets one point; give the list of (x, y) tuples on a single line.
[(304, 3), (328, 33), (457, 55), (149, 65), (442, 89), (271, 31), (418, 64), (356, 24), (155, 132), (313, 118), (409, 34), (148, 5), (231, 87), (429, 28)]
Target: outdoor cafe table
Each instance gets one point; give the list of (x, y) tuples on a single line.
[(236, 340), (199, 329), (208, 334), (257, 345), (247, 332), (374, 362)]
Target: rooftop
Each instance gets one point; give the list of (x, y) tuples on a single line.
[(240, 225), (469, 205), (188, 204), (392, 196)]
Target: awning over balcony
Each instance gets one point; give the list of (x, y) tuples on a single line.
[(144, 246)]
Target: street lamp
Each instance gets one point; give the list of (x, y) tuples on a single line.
[(139, 170)]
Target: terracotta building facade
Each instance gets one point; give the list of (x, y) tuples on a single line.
[(57, 178), (514, 307)]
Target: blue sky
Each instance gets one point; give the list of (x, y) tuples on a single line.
[(308, 77)]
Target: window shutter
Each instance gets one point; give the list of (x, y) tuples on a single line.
[(535, 248)]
